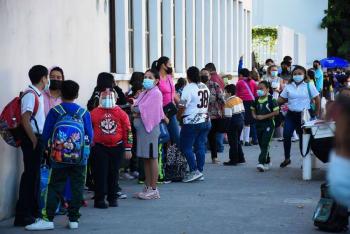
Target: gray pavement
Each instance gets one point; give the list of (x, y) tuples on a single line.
[(230, 200)]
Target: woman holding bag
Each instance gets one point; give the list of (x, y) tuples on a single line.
[(298, 94), (170, 99)]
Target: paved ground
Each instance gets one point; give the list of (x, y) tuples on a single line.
[(230, 200)]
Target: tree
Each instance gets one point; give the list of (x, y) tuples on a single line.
[(337, 21)]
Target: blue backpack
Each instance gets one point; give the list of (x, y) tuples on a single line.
[(67, 141)]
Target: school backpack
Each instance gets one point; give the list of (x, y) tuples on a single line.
[(330, 216), (175, 164), (68, 139), (11, 129)]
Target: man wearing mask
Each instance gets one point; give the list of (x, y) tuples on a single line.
[(215, 111), (318, 76), (339, 168)]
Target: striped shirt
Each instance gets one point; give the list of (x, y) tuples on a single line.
[(233, 106)]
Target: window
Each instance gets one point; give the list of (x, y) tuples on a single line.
[(131, 35), (147, 36)]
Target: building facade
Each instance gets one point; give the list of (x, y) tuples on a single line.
[(121, 36), (302, 16)]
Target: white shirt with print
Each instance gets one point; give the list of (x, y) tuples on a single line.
[(195, 98)]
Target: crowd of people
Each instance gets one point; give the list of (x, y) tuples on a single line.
[(199, 112)]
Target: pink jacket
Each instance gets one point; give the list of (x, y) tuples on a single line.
[(242, 91)]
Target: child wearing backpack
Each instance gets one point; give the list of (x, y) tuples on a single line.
[(68, 132), (113, 138), (263, 110)]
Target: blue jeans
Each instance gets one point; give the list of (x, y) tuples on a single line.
[(292, 122), (193, 138), (174, 130), (220, 142)]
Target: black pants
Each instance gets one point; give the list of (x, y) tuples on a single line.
[(233, 135), (57, 182), (212, 137), (106, 170), (28, 200)]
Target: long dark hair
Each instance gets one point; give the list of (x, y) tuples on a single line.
[(157, 64), (56, 68), (155, 73)]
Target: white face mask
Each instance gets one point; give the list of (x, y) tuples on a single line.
[(339, 178)]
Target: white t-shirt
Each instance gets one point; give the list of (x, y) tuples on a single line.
[(195, 98), (28, 103), (298, 96)]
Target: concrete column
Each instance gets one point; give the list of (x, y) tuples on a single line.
[(180, 66), (122, 36), (223, 38), (240, 30), (168, 29), (190, 36), (235, 37), (216, 35), (208, 31), (154, 30), (230, 41), (139, 15), (199, 33)]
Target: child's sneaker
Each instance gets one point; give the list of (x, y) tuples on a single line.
[(260, 167), (136, 195), (73, 225), (267, 167), (192, 176), (122, 195), (150, 194), (201, 178), (127, 176), (40, 224), (135, 174)]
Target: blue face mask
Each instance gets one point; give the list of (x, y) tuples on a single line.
[(338, 177), (260, 93), (148, 83), (298, 78), (107, 103), (274, 73)]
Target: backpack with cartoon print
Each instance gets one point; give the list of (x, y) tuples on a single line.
[(67, 141)]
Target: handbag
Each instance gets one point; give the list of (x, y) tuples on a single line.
[(164, 135), (170, 109)]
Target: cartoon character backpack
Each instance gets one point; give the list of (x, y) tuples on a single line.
[(68, 138)]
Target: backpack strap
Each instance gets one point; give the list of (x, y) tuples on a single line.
[(80, 112), (60, 110)]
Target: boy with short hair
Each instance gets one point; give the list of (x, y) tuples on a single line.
[(68, 130), (33, 118)]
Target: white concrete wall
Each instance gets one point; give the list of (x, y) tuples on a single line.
[(285, 43), (73, 34), (300, 49), (303, 16)]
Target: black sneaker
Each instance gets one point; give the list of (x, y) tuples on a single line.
[(113, 203), (247, 144), (285, 163), (100, 205), (230, 163)]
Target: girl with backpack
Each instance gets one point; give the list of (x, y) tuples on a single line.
[(264, 109)]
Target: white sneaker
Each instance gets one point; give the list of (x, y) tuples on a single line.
[(260, 167), (149, 194), (192, 176), (135, 174), (201, 178), (40, 224), (267, 167), (127, 176), (73, 225)]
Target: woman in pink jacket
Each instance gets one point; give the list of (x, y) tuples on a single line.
[(246, 90)]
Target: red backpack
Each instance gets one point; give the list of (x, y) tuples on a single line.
[(11, 119)]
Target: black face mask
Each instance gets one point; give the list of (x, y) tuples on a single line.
[(169, 70), (315, 67), (204, 79), (55, 84)]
